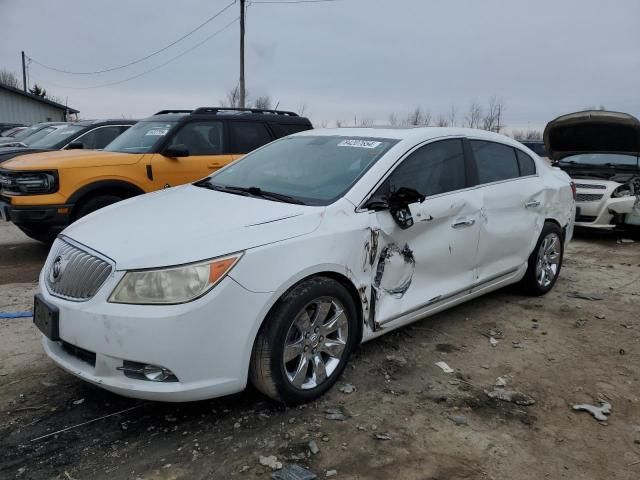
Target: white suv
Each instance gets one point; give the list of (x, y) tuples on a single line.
[(276, 267)]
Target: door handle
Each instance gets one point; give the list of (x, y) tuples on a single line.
[(532, 204), (463, 223), (215, 165)]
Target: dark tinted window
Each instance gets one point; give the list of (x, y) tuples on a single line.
[(100, 137), (495, 161), (283, 129), (248, 136), (435, 168), (200, 138), (526, 163)]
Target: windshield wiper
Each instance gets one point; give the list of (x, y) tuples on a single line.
[(250, 191)]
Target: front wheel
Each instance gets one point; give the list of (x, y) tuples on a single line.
[(305, 343), (545, 261)]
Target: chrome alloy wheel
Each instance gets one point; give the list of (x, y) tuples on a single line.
[(315, 343), (548, 259)]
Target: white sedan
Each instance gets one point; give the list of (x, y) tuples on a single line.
[(276, 267)]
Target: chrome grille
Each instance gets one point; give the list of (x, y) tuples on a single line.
[(74, 274), (588, 197), (592, 186)]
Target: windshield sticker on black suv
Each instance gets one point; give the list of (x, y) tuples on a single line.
[(157, 132), (359, 143)]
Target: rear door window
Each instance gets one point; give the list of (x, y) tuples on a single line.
[(495, 162), (100, 137), (247, 136), (201, 138), (526, 164), (283, 129)]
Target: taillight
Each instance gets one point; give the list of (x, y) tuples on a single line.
[(573, 190)]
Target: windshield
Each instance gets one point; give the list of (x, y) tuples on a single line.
[(28, 131), (40, 134), (51, 139), (314, 170), (140, 138), (601, 159)]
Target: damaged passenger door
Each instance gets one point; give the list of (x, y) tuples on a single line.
[(424, 252)]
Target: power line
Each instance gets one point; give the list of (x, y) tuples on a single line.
[(140, 59), (291, 1), (156, 67)]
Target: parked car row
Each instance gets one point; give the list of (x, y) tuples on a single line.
[(42, 193)]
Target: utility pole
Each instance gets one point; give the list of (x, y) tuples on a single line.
[(24, 74), (242, 90)]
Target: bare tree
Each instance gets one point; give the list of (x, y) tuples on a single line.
[(528, 134), (417, 117), (366, 122), (491, 119), (263, 102), (442, 121), (232, 99), (452, 116), (302, 110), (323, 124), (339, 123), (474, 115), (9, 78), (393, 119)]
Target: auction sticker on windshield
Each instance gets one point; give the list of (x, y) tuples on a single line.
[(157, 132), (359, 143)]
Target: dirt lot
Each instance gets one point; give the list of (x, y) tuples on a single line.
[(406, 419)]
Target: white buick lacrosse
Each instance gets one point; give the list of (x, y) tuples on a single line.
[(276, 267)]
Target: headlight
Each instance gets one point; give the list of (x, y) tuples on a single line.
[(172, 285), (28, 183), (621, 191)]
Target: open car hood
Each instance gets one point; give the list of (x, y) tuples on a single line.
[(592, 131)]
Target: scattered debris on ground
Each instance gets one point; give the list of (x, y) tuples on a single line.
[(599, 413)]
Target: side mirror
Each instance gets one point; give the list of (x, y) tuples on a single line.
[(399, 201), (179, 150), (75, 146)]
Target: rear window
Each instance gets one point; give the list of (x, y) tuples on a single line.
[(247, 136), (495, 161), (526, 164), (284, 129)]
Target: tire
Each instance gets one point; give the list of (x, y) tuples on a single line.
[(95, 203), (295, 326), (40, 234), (544, 262)]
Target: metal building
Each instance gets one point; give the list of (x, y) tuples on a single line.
[(18, 107)]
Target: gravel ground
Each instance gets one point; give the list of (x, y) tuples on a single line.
[(394, 414)]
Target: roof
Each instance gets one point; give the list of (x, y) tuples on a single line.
[(107, 121), (37, 98), (279, 116), (412, 134)]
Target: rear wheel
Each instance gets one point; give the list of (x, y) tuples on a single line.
[(305, 343), (545, 261), (95, 203)]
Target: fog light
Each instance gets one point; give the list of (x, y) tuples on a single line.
[(142, 371), (156, 374)]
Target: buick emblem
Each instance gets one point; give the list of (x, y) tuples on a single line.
[(56, 269)]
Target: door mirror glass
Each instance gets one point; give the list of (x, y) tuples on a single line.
[(75, 146), (175, 151)]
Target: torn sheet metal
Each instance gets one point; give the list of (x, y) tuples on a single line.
[(394, 271), (599, 413)]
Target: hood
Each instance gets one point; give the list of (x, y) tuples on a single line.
[(187, 224), (70, 159), (7, 153), (592, 131)]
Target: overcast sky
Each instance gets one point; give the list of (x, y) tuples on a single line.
[(346, 58)]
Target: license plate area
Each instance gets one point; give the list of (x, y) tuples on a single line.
[(46, 317)]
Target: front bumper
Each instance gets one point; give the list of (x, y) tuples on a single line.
[(206, 343), (36, 215), (605, 214)]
